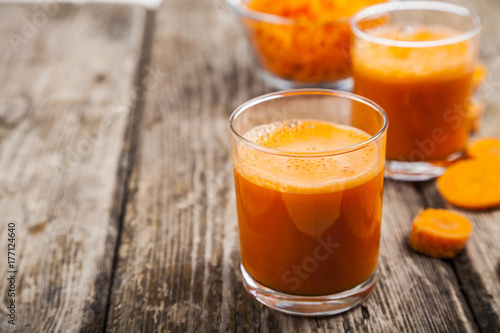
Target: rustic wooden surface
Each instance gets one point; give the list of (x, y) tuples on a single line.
[(63, 120), (478, 267), (148, 211)]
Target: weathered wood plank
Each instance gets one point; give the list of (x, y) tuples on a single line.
[(478, 267), (178, 264), (68, 73)]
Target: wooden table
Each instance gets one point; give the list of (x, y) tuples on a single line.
[(115, 172)]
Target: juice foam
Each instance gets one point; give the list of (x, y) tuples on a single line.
[(394, 62), (301, 174)]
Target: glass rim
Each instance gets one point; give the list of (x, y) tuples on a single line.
[(309, 91), (389, 7), (246, 11)]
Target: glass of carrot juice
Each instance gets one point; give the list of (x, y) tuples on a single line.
[(416, 59), (309, 169)]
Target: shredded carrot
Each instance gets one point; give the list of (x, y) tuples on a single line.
[(472, 184), (440, 233), (475, 115), (480, 74), (487, 149), (315, 47)]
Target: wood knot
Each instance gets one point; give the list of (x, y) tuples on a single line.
[(365, 312), (99, 78), (12, 110)]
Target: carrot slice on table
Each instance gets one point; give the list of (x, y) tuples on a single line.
[(472, 184), (475, 112), (485, 149), (440, 233), (480, 74)]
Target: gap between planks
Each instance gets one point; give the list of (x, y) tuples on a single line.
[(129, 153)]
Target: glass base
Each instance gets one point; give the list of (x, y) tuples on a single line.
[(418, 171), (310, 305), (283, 84)]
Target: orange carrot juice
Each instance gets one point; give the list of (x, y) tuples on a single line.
[(309, 225), (424, 90)]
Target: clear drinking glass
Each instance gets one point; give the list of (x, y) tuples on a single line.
[(416, 59), (309, 168)]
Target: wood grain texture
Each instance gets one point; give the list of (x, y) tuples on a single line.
[(178, 261), (67, 74), (478, 267)]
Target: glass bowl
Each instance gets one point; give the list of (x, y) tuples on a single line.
[(301, 44)]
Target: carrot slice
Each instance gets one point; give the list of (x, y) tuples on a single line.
[(472, 184), (484, 149), (480, 74), (475, 115), (440, 233)]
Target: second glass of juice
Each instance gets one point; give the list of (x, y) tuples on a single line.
[(309, 168), (416, 59)]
